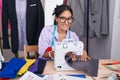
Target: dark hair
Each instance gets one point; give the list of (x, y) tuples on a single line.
[(61, 8)]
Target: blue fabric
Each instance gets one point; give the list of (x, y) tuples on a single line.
[(12, 68), (4, 64), (77, 75)]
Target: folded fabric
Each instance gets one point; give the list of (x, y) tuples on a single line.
[(4, 78), (38, 66), (91, 66), (12, 68), (25, 67), (4, 64)]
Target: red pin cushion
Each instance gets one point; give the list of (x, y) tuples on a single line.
[(48, 49)]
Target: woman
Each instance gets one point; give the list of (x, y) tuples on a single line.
[(58, 32)]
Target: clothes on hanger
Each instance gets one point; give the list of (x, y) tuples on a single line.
[(98, 17), (64, 1), (79, 11), (33, 22), (0, 16)]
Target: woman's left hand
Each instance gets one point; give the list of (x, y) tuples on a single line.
[(84, 56)]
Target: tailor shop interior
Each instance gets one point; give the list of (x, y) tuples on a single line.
[(95, 22)]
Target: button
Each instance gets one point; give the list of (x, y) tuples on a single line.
[(94, 21), (92, 14), (65, 46)]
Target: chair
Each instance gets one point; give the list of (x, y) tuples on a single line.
[(30, 48)]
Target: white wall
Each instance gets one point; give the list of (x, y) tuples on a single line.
[(115, 48), (48, 9)]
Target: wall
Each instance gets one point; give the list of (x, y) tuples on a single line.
[(115, 43), (49, 7)]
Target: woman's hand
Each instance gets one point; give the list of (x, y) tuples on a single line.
[(84, 57)]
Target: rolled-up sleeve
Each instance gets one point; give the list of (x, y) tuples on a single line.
[(44, 41)]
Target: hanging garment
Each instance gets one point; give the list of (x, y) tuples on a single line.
[(0, 15), (98, 17), (65, 2), (21, 20), (1, 18), (34, 23), (78, 7), (43, 3)]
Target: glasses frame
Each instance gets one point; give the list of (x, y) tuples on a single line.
[(69, 20)]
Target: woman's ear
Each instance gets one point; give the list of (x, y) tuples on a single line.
[(55, 20)]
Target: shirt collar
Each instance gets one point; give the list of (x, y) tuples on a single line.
[(56, 34)]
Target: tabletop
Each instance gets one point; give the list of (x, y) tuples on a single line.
[(103, 72)]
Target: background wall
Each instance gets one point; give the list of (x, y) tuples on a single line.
[(115, 43), (49, 7)]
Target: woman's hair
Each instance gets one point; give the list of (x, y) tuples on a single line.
[(61, 8)]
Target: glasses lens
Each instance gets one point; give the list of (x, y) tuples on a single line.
[(70, 20), (63, 19)]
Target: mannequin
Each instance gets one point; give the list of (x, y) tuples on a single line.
[(26, 21)]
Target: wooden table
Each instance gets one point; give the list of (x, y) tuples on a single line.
[(103, 72)]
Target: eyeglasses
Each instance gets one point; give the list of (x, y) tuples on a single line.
[(69, 20)]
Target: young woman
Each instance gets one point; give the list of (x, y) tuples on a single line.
[(58, 32)]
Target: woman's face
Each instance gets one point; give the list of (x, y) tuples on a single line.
[(64, 20)]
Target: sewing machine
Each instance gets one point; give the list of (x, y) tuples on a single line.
[(64, 47)]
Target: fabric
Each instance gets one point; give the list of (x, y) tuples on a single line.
[(91, 66), (4, 79), (38, 66), (99, 11), (25, 67), (65, 2), (45, 39), (34, 67), (0, 15), (79, 11), (98, 17), (12, 68), (21, 18), (43, 3), (34, 23)]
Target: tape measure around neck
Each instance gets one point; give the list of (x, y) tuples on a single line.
[(53, 35)]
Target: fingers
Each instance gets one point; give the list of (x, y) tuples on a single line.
[(52, 53), (84, 57), (74, 57)]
